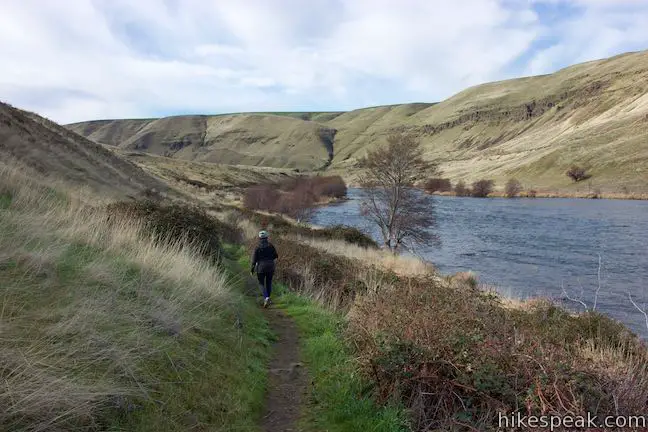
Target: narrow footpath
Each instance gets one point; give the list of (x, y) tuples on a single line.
[(287, 377)]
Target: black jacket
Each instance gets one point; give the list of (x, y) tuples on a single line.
[(264, 256)]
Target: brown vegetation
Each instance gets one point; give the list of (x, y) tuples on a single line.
[(577, 173), (461, 189), (462, 357), (178, 224), (280, 226), (513, 188), (456, 355), (467, 354), (437, 185), (482, 188), (295, 197)]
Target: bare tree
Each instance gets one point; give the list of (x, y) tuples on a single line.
[(461, 189), (513, 188), (481, 188), (300, 204), (639, 308), (403, 214), (261, 197), (437, 185), (582, 290), (577, 173)]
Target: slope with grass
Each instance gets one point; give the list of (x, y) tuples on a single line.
[(281, 141), (48, 149), (593, 114), (207, 182), (105, 327)]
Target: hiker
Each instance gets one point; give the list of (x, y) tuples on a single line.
[(263, 261)]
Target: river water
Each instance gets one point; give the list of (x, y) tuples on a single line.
[(531, 247)]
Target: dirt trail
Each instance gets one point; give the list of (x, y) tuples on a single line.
[(287, 377)]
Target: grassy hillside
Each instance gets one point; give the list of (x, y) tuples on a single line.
[(594, 114), (207, 182), (280, 141), (103, 328), (49, 149)]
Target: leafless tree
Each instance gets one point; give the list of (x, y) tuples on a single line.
[(639, 308), (300, 204), (461, 189), (403, 214), (437, 185), (513, 188), (481, 188), (577, 173), (261, 197), (596, 292)]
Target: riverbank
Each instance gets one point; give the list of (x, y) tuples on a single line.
[(456, 355), (548, 194)]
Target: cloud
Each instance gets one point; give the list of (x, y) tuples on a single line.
[(595, 29), (89, 59)]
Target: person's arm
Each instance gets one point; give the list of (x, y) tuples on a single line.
[(274, 253), (255, 256)]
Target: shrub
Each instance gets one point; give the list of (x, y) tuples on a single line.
[(351, 235), (462, 358), (294, 197), (168, 223), (513, 188), (330, 186), (437, 185), (577, 173), (261, 197), (281, 226), (461, 189), (299, 204), (481, 188), (532, 193)]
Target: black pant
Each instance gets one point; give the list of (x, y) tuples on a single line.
[(265, 280)]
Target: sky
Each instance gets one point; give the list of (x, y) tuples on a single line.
[(76, 60)]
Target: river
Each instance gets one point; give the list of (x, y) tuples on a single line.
[(533, 247)]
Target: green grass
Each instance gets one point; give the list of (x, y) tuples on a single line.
[(5, 201), (93, 340), (340, 399)]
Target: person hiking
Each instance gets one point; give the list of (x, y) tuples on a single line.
[(263, 261)]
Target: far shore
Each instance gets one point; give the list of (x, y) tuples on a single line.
[(551, 194), (565, 195)]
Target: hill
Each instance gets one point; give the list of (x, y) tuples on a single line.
[(281, 141), (52, 151), (593, 114)]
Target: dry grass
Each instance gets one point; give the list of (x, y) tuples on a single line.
[(399, 264), (246, 139), (206, 182), (46, 147), (102, 327)]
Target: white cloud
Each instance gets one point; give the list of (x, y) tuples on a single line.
[(86, 59), (601, 28)]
